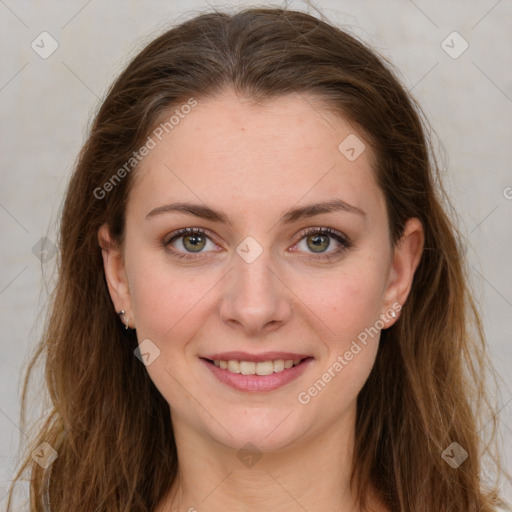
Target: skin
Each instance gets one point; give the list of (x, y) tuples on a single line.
[(255, 162)]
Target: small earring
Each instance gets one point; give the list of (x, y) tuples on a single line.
[(125, 320), (393, 314)]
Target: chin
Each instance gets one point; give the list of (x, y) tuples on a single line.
[(267, 434)]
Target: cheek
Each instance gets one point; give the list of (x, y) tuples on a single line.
[(169, 306), (166, 300), (349, 305), (346, 300)]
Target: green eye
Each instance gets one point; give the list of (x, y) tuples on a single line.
[(319, 243), (318, 240), (194, 243)]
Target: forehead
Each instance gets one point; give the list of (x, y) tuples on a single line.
[(256, 159)]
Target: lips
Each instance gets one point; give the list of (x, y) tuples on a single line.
[(256, 372)]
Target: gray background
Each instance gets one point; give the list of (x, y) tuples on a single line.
[(46, 104)]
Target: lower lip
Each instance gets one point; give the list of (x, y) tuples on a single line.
[(257, 383)]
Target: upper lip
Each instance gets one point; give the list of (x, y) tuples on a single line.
[(245, 356)]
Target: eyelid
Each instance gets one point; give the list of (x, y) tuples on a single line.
[(326, 231), (187, 231)]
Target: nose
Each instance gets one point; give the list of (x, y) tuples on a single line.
[(255, 299)]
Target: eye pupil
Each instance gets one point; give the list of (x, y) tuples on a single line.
[(317, 241), (195, 240)]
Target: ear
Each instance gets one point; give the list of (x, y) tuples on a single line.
[(115, 275), (406, 258)]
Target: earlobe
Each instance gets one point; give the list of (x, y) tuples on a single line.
[(115, 274), (406, 258)]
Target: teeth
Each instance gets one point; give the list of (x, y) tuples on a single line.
[(259, 368), (265, 368), (247, 368), (234, 366), (278, 365)]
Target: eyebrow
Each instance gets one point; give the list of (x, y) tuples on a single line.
[(292, 215)]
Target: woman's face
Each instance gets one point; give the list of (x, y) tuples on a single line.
[(259, 286)]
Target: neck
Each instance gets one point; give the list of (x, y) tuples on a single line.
[(311, 474)]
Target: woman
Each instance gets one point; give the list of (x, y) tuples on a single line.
[(261, 302)]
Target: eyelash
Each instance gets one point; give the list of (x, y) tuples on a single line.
[(339, 237)]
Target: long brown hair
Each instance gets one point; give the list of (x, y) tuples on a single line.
[(108, 423)]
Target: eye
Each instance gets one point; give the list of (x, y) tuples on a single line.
[(317, 240), (194, 240)]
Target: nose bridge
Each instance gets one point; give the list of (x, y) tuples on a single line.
[(254, 296)]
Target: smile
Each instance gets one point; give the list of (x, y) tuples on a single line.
[(259, 368), (257, 376)]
